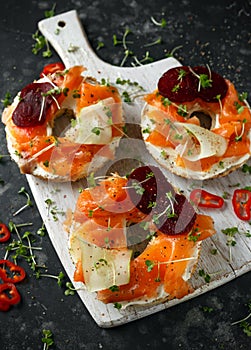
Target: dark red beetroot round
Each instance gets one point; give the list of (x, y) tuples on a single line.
[(33, 106), (218, 86), (184, 84), (152, 194), (178, 85), (175, 219), (145, 185)]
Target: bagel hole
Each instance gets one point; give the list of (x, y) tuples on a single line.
[(123, 166), (62, 122), (204, 118), (133, 130)]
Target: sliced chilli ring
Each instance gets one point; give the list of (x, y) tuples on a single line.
[(4, 233), (9, 294), (10, 272)]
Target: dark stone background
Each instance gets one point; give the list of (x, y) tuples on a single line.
[(213, 32)]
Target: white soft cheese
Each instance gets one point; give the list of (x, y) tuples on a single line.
[(93, 124), (207, 143)]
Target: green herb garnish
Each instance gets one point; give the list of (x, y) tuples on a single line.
[(205, 275), (47, 339), (246, 326), (7, 100), (28, 202)]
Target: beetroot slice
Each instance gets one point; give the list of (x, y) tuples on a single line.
[(183, 218), (218, 86), (33, 106), (178, 85), (182, 84), (171, 213), (144, 187)]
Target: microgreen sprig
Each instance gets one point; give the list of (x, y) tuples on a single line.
[(32, 260), (7, 99), (127, 54), (231, 233), (41, 43), (134, 87), (117, 305), (28, 202), (246, 326), (18, 249), (23, 247), (218, 98), (100, 45), (146, 58), (155, 42), (70, 290), (42, 230), (243, 96), (47, 339), (239, 137), (246, 169), (124, 42), (136, 185), (239, 107), (205, 80), (150, 264), (171, 53), (162, 23), (59, 278), (205, 275), (52, 209), (207, 309), (51, 12)]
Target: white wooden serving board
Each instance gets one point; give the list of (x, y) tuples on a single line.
[(222, 267)]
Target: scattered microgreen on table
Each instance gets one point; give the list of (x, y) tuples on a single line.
[(47, 339), (244, 324), (41, 43), (7, 99), (28, 202)]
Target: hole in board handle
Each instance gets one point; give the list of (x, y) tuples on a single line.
[(61, 24)]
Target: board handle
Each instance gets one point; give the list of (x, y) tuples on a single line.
[(66, 34)]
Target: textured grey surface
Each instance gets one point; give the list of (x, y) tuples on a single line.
[(217, 33)]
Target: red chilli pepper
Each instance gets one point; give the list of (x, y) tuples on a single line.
[(4, 233), (4, 306), (10, 272), (242, 204), (52, 68), (8, 295), (205, 199)]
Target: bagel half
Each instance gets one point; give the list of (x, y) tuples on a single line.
[(128, 251), (81, 130), (198, 139)]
